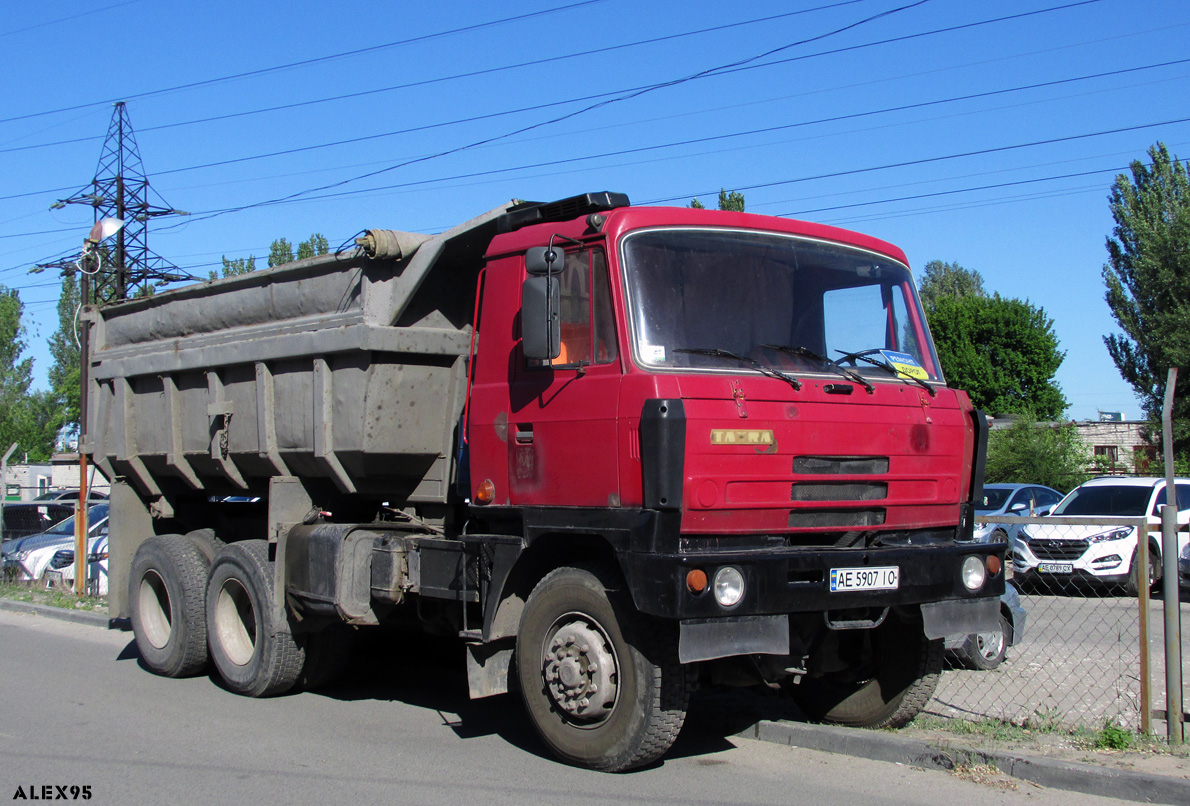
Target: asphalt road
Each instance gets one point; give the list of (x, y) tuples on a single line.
[(80, 712)]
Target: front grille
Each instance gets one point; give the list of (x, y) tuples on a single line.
[(842, 491), (1058, 549), (840, 465)]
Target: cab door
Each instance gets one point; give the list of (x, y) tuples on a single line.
[(562, 413)]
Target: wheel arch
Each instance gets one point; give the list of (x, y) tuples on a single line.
[(548, 551)]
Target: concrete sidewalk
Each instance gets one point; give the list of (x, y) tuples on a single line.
[(943, 752)]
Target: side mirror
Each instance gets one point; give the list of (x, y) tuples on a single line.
[(1018, 507), (541, 329)]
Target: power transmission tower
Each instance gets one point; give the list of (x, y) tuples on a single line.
[(120, 190)]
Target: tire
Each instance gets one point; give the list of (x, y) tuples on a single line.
[(999, 536), (886, 691), (1132, 586), (327, 654), (254, 656), (985, 651), (623, 710), (166, 590)]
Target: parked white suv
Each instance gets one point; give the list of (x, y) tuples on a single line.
[(1059, 554)]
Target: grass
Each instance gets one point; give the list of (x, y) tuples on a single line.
[(1109, 737), (52, 597)]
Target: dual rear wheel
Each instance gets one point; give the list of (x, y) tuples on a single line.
[(196, 604)]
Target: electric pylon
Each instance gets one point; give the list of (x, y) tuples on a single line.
[(120, 190)]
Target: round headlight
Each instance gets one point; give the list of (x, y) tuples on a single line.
[(729, 586), (974, 573)]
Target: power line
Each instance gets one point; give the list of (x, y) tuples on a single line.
[(306, 62)]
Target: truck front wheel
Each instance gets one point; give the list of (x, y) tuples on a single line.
[(253, 655), (166, 588), (601, 682), (880, 678)]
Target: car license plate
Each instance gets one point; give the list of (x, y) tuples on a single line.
[(1056, 568), (53, 579), (887, 578)]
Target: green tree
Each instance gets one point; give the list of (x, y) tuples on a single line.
[(1002, 352), (66, 370), (1148, 284), (316, 245), (17, 415), (280, 252), (1028, 452), (238, 266), (733, 201), (951, 280)]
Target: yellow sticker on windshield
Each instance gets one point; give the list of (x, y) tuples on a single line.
[(905, 364)]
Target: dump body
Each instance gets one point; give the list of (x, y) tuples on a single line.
[(339, 368)]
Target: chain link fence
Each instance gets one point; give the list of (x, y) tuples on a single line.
[(1069, 651)]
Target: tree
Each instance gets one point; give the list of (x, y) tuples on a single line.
[(1028, 452), (733, 201), (1148, 284), (1002, 352), (280, 252), (317, 245), (238, 266), (17, 415), (951, 280), (65, 372)]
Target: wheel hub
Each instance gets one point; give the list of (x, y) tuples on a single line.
[(580, 670)]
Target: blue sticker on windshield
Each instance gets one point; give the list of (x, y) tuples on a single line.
[(905, 364)]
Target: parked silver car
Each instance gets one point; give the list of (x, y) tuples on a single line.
[(1011, 499)]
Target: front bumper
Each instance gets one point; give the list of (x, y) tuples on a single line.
[(788, 580)]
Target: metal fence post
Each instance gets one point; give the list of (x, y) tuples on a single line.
[(1169, 563), (1142, 600)]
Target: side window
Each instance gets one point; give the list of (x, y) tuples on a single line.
[(1045, 498), (586, 318)]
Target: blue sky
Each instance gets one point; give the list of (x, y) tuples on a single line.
[(983, 133)]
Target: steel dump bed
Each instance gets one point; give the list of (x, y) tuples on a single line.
[(349, 367)]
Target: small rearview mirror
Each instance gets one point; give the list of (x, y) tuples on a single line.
[(542, 260)]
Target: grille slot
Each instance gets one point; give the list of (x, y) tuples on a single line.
[(1058, 549), (827, 518), (840, 465), (839, 491)]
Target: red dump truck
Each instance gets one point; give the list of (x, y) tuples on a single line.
[(618, 452)]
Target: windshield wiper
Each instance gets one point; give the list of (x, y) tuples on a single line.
[(806, 352), (865, 356), (752, 362)]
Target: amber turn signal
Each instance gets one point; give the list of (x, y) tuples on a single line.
[(696, 580), (485, 492), (993, 565)]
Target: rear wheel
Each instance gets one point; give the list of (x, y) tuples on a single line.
[(601, 682), (254, 655), (892, 673), (166, 598)]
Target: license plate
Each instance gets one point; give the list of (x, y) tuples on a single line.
[(52, 578), (1056, 568), (887, 578)]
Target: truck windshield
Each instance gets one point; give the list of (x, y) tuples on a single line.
[(693, 290)]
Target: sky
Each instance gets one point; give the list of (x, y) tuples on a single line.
[(987, 134)]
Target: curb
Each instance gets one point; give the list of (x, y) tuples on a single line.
[(1071, 776), (63, 614)]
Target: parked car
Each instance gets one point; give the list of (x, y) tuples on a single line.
[(986, 650), (25, 518), (62, 567), (1100, 554), (1184, 570), (70, 495), (27, 558), (1011, 499)]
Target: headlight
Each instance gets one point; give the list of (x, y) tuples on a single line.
[(729, 586), (1114, 534), (18, 556), (974, 573)]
